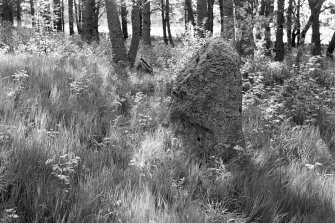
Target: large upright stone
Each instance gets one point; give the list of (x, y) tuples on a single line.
[(207, 102)]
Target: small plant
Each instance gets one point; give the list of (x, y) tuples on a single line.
[(9, 215), (64, 167)]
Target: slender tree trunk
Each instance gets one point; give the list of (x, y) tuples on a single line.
[(167, 18), (135, 39), (18, 12), (7, 23), (210, 16), (229, 22), (190, 13), (80, 11), (202, 15), (47, 16), (166, 40), (32, 12), (58, 15), (280, 31), (289, 24), (77, 16), (222, 30), (96, 22), (262, 8), (71, 17), (115, 32), (80, 16), (185, 17), (7, 11), (146, 23), (316, 42), (304, 31), (296, 27), (298, 35), (331, 47), (62, 17), (269, 9), (141, 17), (298, 23), (310, 21), (124, 22), (259, 27), (244, 39)]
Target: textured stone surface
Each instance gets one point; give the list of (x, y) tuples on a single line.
[(206, 112)]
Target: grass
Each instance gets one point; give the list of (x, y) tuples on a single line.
[(284, 182), (78, 143)]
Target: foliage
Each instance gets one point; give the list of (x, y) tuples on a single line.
[(78, 143)]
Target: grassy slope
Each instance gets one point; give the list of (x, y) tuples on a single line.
[(79, 144)]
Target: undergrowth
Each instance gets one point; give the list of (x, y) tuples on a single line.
[(79, 143)]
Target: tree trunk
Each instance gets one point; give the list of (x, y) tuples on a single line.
[(96, 22), (289, 24), (115, 32), (268, 11), (46, 15), (166, 40), (298, 23), (141, 17), (304, 31), (77, 16), (78, 12), (222, 18), (228, 18), (71, 17), (62, 17), (7, 24), (244, 39), (90, 21), (88, 12), (57, 15), (167, 18), (261, 13), (32, 12), (316, 42), (190, 13), (261, 24), (210, 16), (7, 11), (202, 15), (146, 23), (331, 47), (124, 22), (135, 39), (18, 12), (280, 31), (310, 21)]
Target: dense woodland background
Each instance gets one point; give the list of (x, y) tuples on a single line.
[(85, 92)]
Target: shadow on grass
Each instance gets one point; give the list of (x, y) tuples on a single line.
[(291, 193)]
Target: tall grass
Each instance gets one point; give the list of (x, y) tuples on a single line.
[(79, 143)]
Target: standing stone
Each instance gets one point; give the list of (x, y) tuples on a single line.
[(206, 112)]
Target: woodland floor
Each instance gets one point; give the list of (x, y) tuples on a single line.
[(79, 143)]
